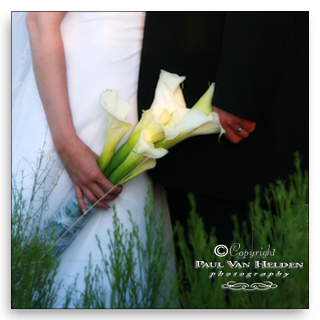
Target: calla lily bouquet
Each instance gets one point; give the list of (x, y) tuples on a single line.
[(165, 124)]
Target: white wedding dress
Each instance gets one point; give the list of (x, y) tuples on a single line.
[(102, 52)]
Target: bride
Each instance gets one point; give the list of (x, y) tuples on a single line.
[(75, 57)]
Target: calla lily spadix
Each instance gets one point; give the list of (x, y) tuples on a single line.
[(117, 125), (142, 157)]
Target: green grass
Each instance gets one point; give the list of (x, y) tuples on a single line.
[(33, 267), (139, 271), (283, 227)]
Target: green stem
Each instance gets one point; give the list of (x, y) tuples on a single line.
[(125, 168), (121, 154)]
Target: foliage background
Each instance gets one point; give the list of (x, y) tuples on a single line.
[(283, 226)]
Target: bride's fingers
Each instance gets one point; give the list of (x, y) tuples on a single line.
[(99, 193), (104, 182), (106, 185), (95, 198), (80, 199)]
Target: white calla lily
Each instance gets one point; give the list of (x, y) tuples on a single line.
[(194, 123), (117, 125), (149, 121), (156, 131), (166, 123), (199, 120), (168, 96), (145, 147)]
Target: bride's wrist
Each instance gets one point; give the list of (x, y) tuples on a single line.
[(64, 142)]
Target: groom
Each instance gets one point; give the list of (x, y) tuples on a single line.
[(259, 62)]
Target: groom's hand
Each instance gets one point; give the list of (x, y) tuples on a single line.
[(236, 128)]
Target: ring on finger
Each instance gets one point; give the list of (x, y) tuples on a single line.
[(239, 130)]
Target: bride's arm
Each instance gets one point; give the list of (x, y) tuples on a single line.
[(51, 76)]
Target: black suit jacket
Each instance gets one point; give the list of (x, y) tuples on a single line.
[(259, 62)]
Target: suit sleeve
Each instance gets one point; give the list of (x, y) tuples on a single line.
[(252, 45)]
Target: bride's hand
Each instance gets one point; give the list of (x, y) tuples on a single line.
[(50, 72), (88, 180)]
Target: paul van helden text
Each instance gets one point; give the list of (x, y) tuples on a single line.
[(260, 265), (239, 266)]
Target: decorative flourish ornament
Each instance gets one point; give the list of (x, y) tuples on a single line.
[(232, 285)]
